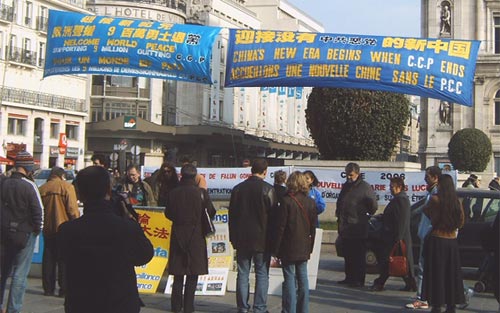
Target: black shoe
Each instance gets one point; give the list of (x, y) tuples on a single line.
[(344, 282), (356, 285), (377, 287), (48, 293), (408, 288)]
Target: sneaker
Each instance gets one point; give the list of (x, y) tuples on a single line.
[(417, 305), (469, 292)]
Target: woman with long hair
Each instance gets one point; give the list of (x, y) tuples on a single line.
[(314, 193), (442, 282), (293, 244), (163, 181)]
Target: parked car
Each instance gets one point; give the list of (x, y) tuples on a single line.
[(41, 176), (480, 208)]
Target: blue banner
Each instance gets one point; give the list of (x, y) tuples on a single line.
[(435, 68), (91, 44)]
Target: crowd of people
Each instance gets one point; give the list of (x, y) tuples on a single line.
[(265, 221)]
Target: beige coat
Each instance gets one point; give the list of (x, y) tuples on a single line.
[(60, 204)]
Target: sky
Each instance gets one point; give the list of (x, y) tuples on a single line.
[(365, 17)]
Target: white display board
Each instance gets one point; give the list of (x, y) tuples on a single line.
[(276, 273)]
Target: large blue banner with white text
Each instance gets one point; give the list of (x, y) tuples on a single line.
[(435, 68), (90, 44)]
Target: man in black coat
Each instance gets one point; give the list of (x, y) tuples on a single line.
[(100, 250), (250, 209), (356, 201)]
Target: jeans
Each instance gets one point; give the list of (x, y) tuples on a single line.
[(420, 271), (17, 263), (261, 264), (295, 295)]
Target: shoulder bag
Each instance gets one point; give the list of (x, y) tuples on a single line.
[(207, 225), (304, 213), (398, 263)]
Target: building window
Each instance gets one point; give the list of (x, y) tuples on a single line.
[(38, 132), (29, 14), (72, 131), (497, 34), (1, 46), (41, 53), (221, 110), (54, 130), (497, 165), (497, 108), (16, 126), (121, 81)]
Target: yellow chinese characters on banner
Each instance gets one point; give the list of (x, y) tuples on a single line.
[(157, 229)]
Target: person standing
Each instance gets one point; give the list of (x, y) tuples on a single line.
[(494, 184), (431, 178), (442, 283), (98, 160), (100, 250), (356, 201), (162, 182), (250, 209), (395, 227), (21, 222), (199, 179), (185, 207), (60, 205), (294, 241), (315, 194), (279, 185), (139, 192), (471, 182)]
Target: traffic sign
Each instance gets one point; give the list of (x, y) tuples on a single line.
[(136, 150)]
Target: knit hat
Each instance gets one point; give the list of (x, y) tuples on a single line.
[(25, 159)]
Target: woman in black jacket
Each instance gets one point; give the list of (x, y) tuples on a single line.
[(396, 226), (295, 231), (188, 248)]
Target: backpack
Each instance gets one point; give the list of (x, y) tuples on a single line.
[(15, 230)]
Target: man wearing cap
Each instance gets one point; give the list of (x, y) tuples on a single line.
[(60, 205), (21, 222)]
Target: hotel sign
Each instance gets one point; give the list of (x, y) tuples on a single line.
[(138, 13)]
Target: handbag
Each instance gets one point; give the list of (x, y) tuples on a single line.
[(207, 225), (398, 263)]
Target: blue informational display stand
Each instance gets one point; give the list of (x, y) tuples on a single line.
[(38, 253)]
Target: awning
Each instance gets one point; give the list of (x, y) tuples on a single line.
[(6, 161)]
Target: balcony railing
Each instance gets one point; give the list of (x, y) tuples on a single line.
[(19, 55), (30, 97)]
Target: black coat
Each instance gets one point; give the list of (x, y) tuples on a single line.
[(100, 250), (188, 248), (356, 200), (295, 228), (21, 203), (251, 208), (396, 224)]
